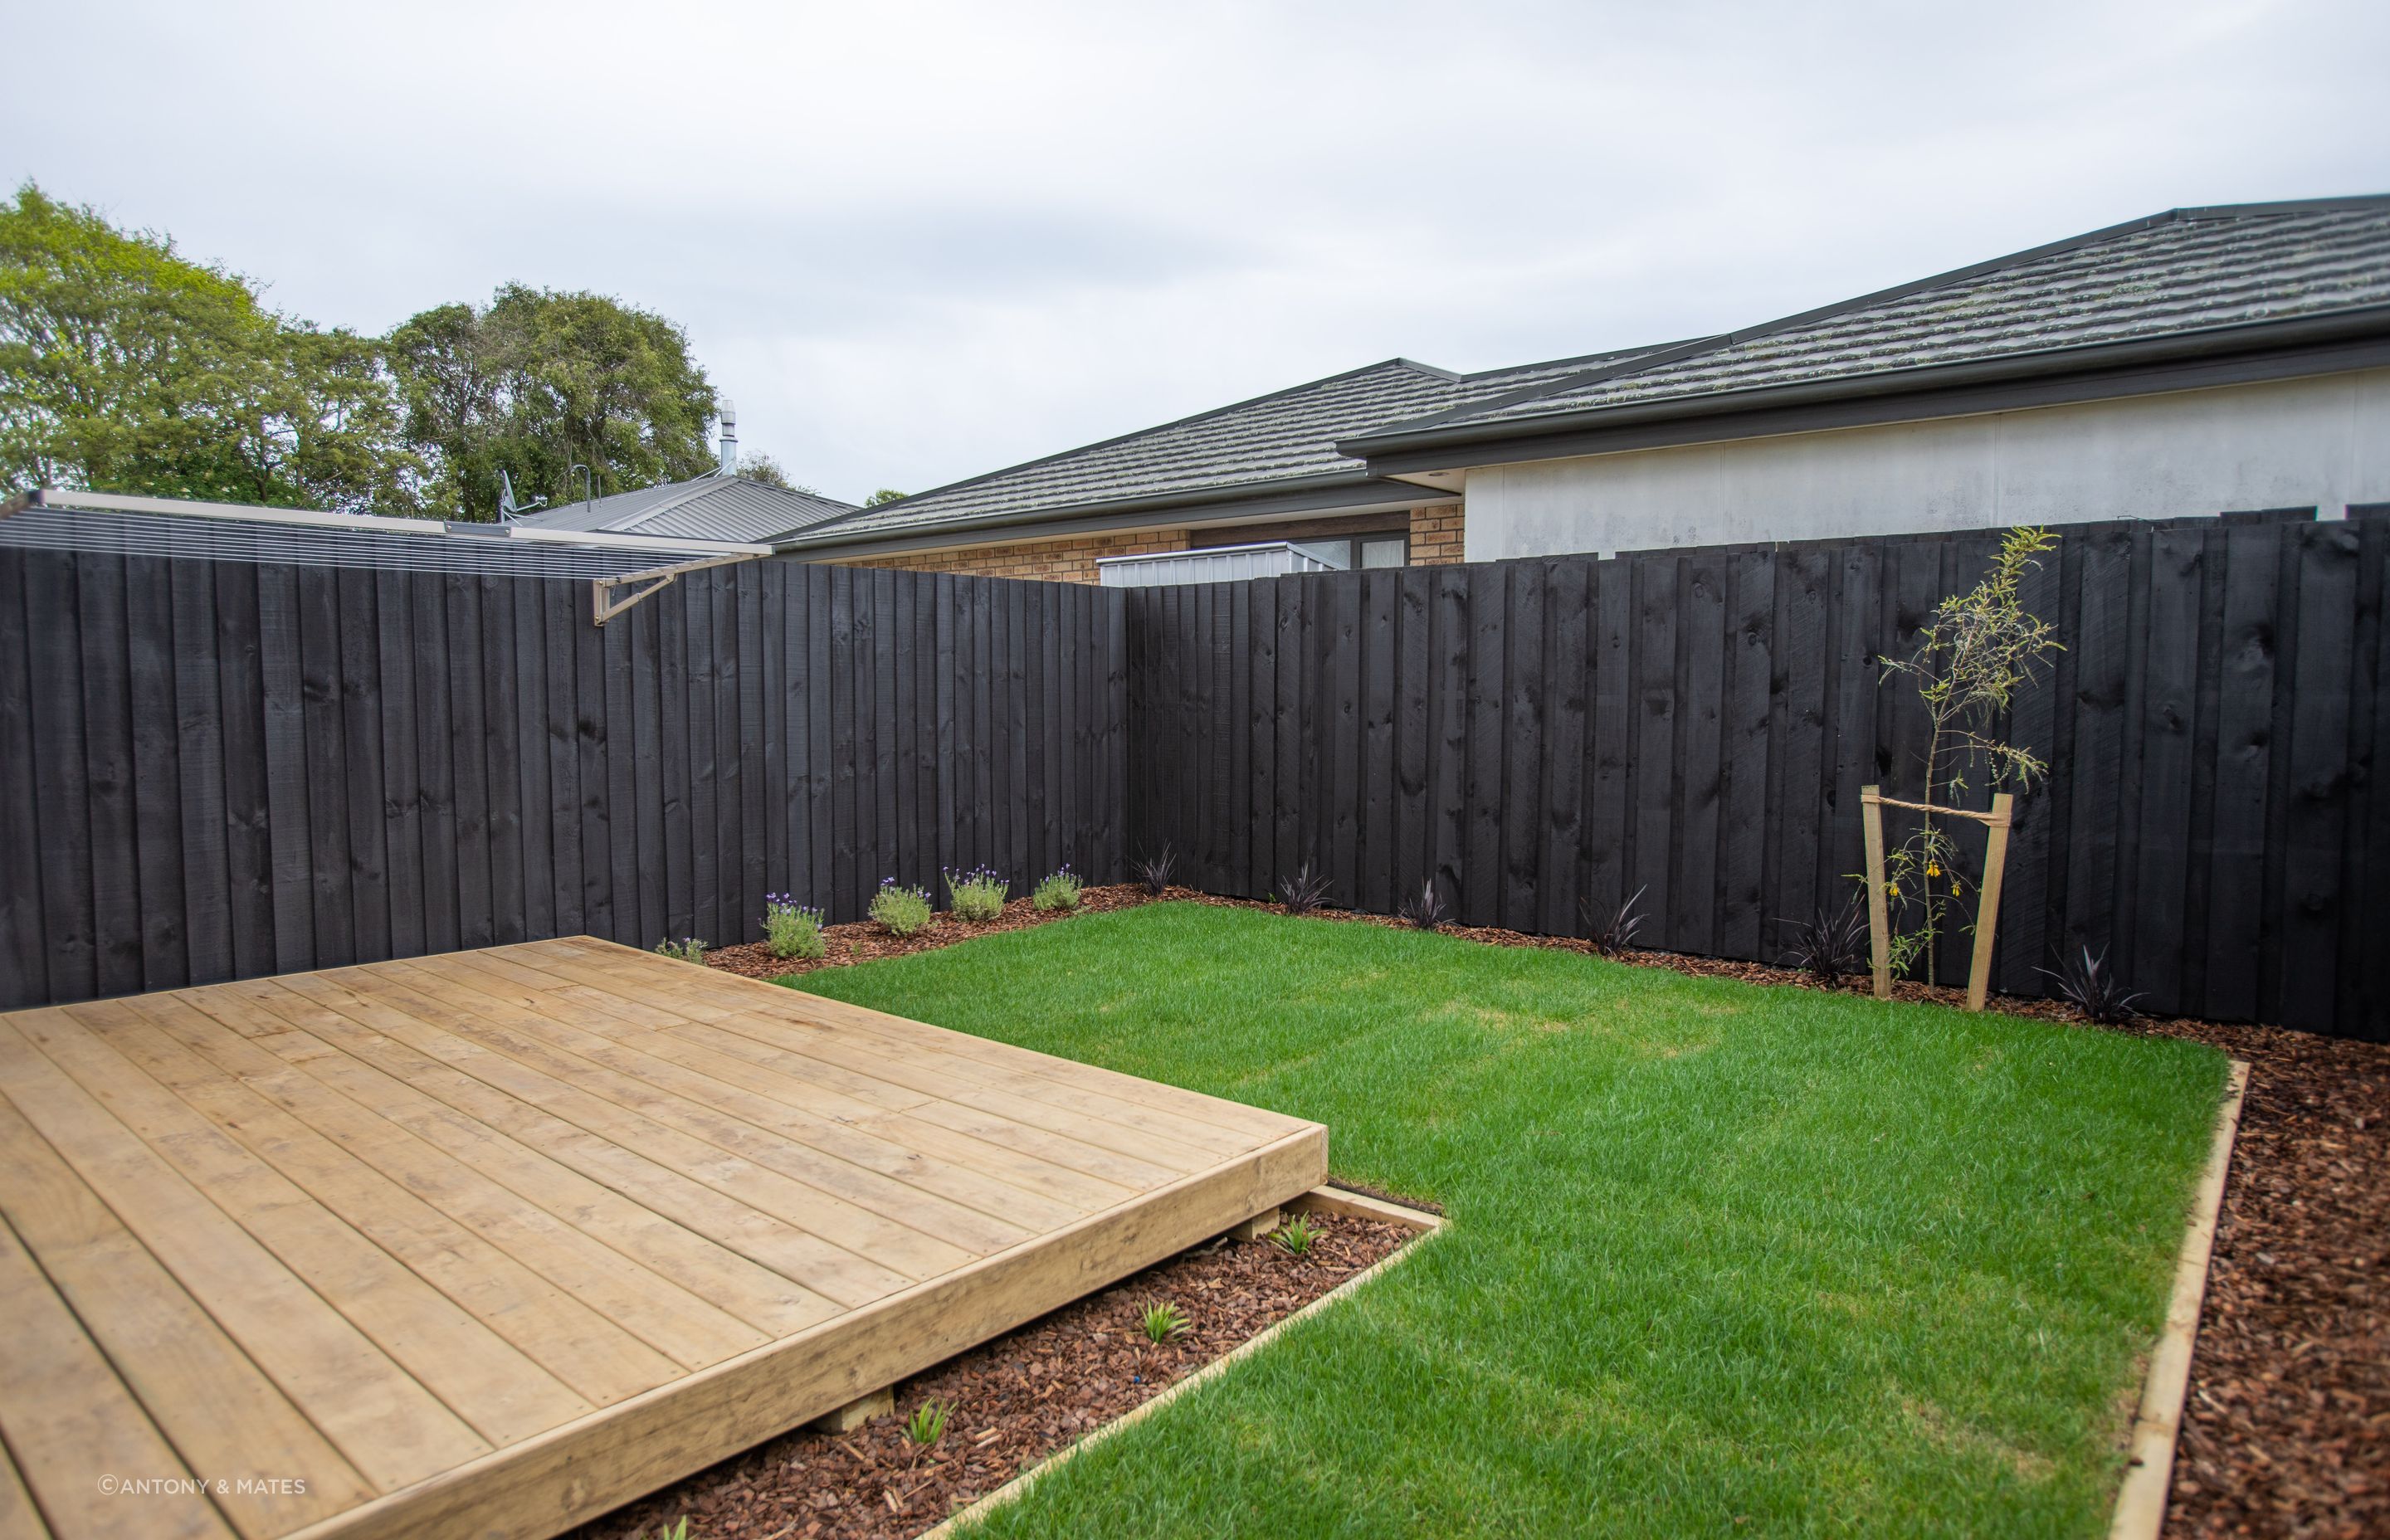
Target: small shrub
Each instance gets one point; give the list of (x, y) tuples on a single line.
[(1615, 932), (1162, 1321), (901, 911), (1832, 945), (1305, 891), (675, 1531), (1295, 1236), (1426, 910), (1155, 871), (1058, 891), (792, 930), (688, 951), (978, 894), (928, 1423), (2091, 986)]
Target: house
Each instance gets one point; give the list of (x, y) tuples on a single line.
[(720, 504), (2196, 361), (1260, 472)]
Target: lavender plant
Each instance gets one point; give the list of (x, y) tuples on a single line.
[(1058, 891), (792, 930), (901, 911), (978, 894)]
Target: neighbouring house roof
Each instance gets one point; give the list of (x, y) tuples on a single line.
[(2208, 281), (1284, 443), (713, 507)]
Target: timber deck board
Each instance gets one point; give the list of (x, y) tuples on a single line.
[(492, 1242)]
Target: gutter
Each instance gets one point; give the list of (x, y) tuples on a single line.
[(183, 508), (1220, 505), (2343, 339)]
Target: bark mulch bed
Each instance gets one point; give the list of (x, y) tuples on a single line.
[(861, 940), (2286, 1430), (1016, 1400)]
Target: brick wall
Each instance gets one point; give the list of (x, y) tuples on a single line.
[(1069, 560), (1435, 535), (1435, 542)]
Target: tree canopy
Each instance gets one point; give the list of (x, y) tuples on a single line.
[(127, 367), (539, 381)]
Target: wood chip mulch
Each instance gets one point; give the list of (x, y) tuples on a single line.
[(2286, 1430), (861, 940), (1016, 1400)]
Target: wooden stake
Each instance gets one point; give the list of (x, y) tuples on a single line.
[(1987, 900), (1879, 922)]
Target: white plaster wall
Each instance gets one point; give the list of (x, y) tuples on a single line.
[(2322, 442)]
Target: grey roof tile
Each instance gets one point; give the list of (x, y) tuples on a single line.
[(1287, 435), (2184, 271), (705, 507)]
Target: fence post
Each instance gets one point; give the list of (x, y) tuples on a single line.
[(1987, 900), (1878, 923)]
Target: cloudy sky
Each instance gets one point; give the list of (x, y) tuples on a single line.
[(914, 242)]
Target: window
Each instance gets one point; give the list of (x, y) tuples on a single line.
[(1387, 551)]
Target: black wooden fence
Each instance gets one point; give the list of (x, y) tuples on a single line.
[(219, 769), (1697, 725), (216, 769)]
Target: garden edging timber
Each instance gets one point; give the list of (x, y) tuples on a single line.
[(2149, 1473), (1320, 1200)]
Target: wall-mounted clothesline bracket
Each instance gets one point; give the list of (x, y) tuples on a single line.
[(605, 604)]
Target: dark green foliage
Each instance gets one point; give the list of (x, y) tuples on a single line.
[(127, 367), (539, 381)]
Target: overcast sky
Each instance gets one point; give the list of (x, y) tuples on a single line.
[(917, 242)]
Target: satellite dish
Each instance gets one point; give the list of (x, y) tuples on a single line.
[(509, 509)]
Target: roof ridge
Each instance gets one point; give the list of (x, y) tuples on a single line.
[(1144, 432), (1859, 303), (697, 486)]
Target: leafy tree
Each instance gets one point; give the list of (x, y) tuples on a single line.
[(1973, 655), (885, 494), (540, 382), (126, 367), (761, 467)]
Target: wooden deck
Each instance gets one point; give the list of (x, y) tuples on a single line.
[(489, 1243)]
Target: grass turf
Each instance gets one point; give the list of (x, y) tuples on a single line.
[(1724, 1260)]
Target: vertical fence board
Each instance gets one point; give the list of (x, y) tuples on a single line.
[(198, 728), (156, 772)]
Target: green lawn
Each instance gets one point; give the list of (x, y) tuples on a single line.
[(1724, 1260)]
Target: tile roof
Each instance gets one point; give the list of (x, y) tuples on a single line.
[(1289, 435), (2183, 271), (712, 507)]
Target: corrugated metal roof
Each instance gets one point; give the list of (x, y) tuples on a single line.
[(713, 507), (2184, 271), (1286, 436)]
